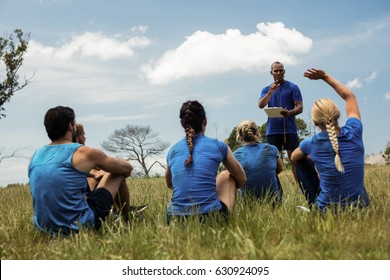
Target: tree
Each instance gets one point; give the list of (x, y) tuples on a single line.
[(136, 143), (302, 129), (386, 154), (12, 55), (12, 155)]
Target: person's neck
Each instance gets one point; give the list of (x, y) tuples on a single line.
[(323, 129), (63, 140)]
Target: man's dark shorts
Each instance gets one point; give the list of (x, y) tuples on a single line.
[(100, 200), (277, 140)]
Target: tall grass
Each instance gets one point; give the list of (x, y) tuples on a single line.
[(255, 231)]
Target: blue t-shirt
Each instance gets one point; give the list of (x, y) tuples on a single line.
[(259, 162), (194, 186), (58, 189), (336, 187), (284, 96)]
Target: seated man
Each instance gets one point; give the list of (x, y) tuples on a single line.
[(95, 175), (58, 178)]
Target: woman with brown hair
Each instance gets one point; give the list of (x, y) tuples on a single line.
[(192, 166)]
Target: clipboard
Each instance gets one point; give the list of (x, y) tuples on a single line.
[(274, 112)]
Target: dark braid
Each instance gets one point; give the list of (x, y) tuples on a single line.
[(190, 135), (192, 115)]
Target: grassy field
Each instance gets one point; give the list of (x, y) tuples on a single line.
[(255, 232)]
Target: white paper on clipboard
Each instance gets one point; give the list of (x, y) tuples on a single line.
[(274, 112)]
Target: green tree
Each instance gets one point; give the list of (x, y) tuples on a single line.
[(386, 154), (12, 51), (302, 129)]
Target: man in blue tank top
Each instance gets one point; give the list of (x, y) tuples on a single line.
[(58, 179)]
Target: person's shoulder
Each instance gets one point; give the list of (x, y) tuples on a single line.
[(239, 150), (354, 121), (288, 82), (218, 142), (268, 146), (292, 85), (178, 145), (88, 152), (352, 125)]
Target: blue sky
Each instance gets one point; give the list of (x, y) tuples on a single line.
[(135, 62)]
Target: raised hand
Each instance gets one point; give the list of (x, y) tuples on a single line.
[(314, 74)]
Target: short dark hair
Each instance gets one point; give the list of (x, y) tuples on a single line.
[(57, 120), (276, 62)]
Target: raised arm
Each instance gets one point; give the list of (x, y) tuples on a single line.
[(352, 106), (265, 99)]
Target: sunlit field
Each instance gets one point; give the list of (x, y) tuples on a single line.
[(255, 231)]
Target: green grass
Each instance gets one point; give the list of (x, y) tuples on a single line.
[(255, 231)]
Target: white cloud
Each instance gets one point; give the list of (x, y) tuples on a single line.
[(139, 29), (89, 45), (372, 77), (387, 95), (355, 83), (358, 83), (204, 53)]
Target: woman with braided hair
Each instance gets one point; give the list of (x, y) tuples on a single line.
[(261, 163), (337, 152), (192, 166)]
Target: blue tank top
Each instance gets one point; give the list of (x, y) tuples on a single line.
[(194, 187), (58, 189)]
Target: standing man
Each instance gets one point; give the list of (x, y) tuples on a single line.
[(282, 132), (58, 179)]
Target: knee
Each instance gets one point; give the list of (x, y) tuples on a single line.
[(224, 178)]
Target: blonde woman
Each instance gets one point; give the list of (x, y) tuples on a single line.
[(260, 161), (337, 152)]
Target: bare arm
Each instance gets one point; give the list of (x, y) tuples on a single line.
[(264, 101), (235, 169), (297, 155), (86, 158), (352, 106), (296, 111)]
